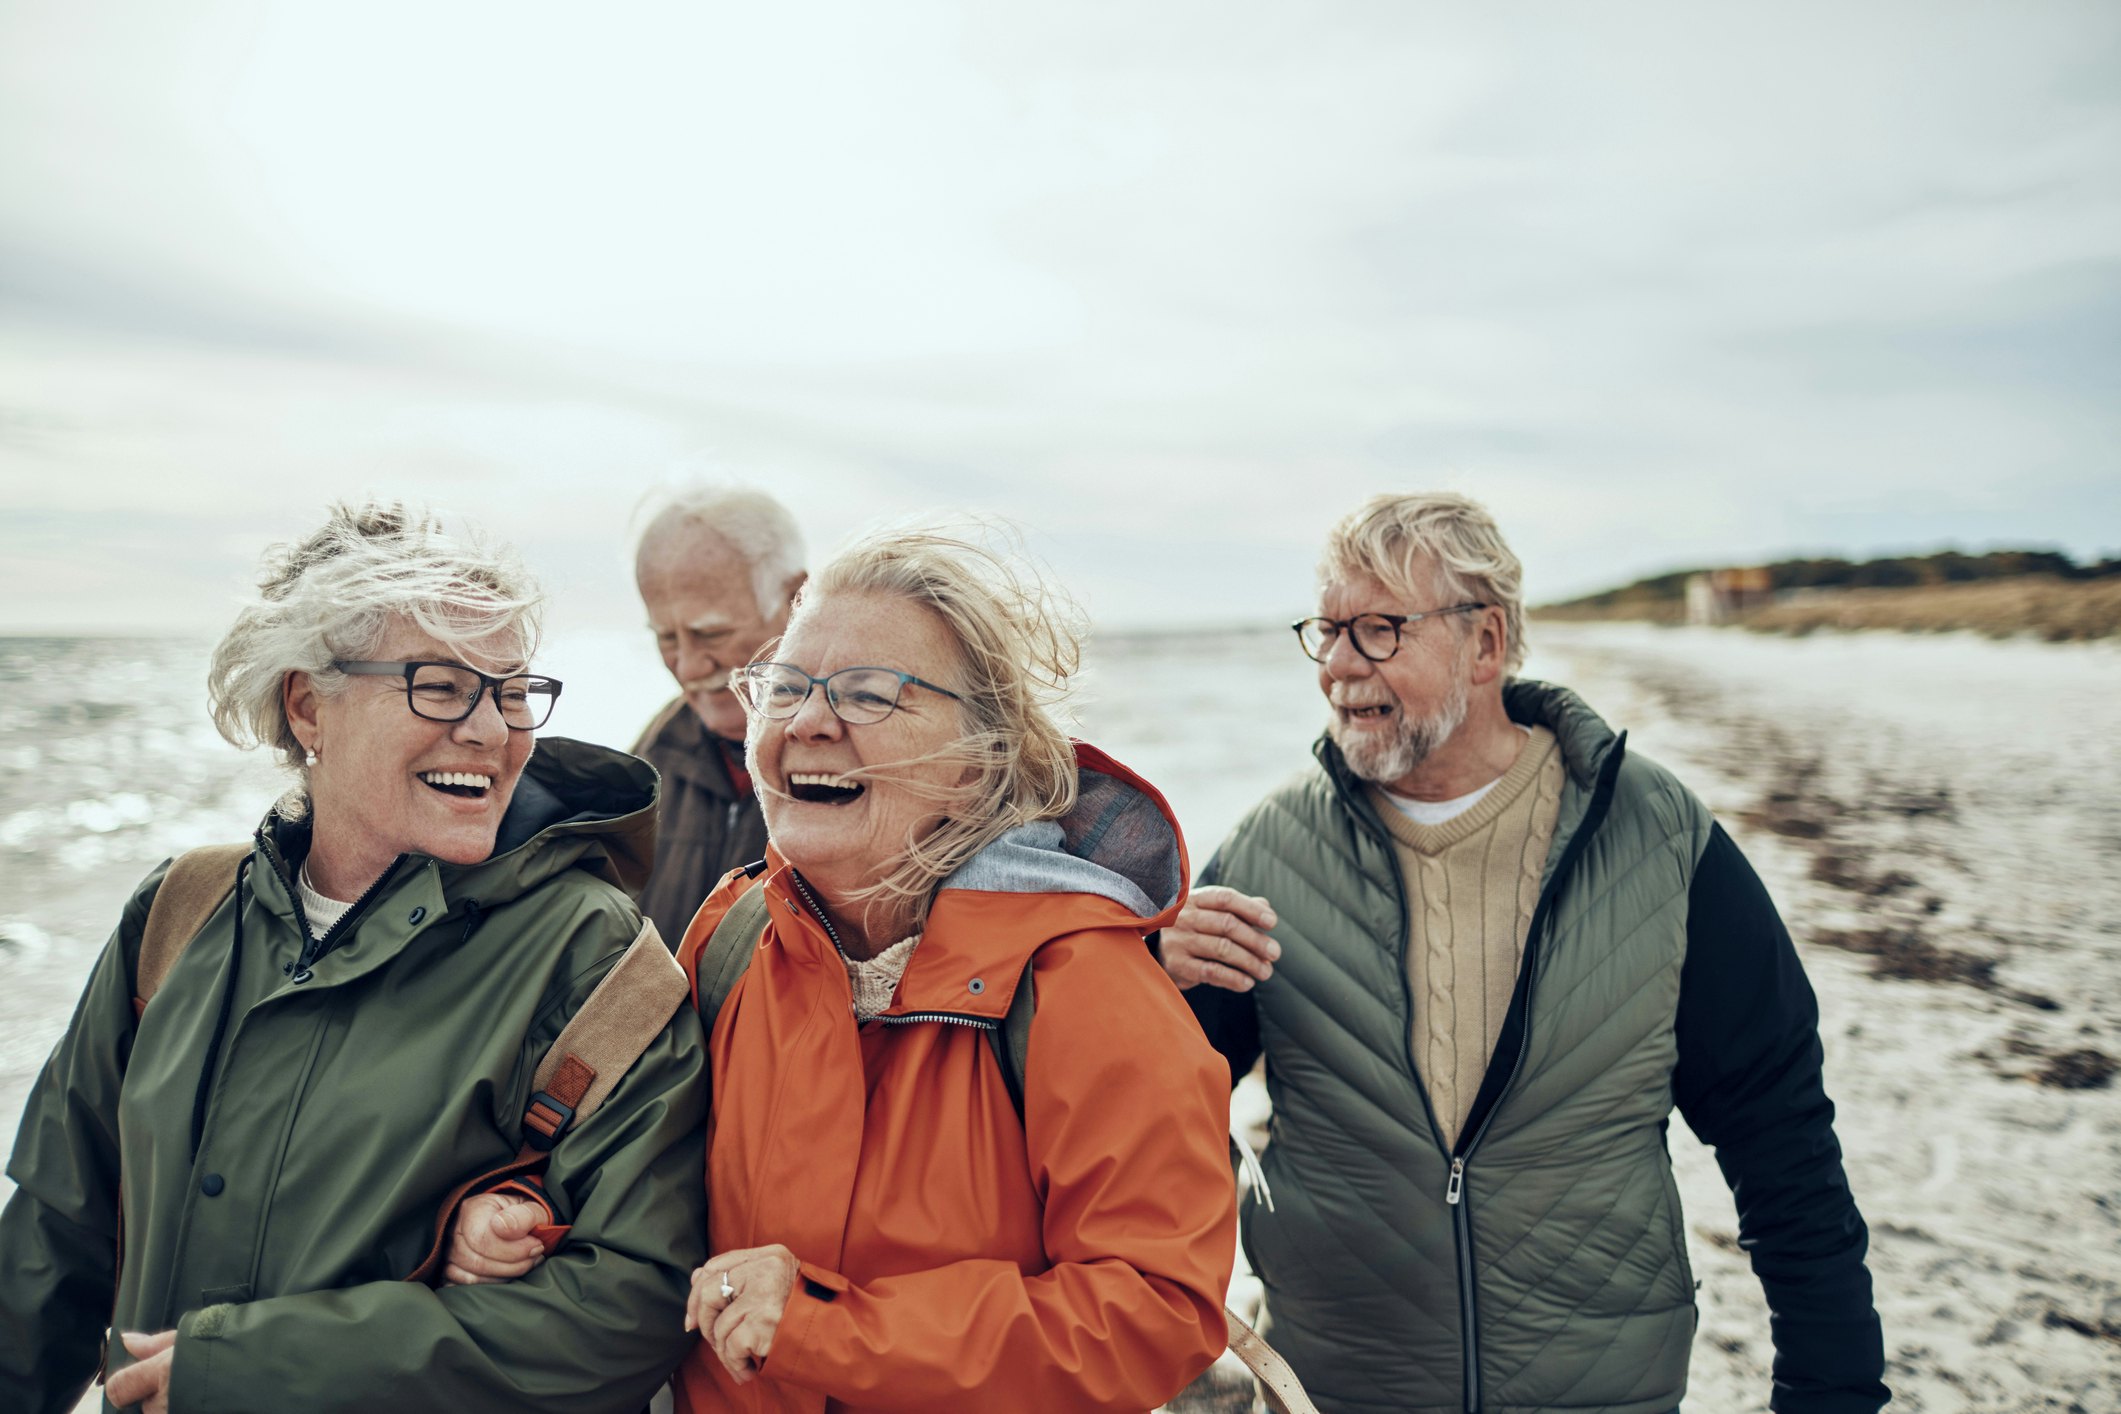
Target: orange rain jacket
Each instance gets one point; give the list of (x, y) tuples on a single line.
[(954, 1258)]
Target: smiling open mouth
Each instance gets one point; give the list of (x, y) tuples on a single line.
[(463, 784), (1371, 713), (814, 788)]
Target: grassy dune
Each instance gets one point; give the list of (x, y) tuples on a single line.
[(2042, 606)]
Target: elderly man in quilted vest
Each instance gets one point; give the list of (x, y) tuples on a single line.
[(1485, 949)]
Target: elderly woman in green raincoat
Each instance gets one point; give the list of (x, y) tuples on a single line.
[(235, 1178)]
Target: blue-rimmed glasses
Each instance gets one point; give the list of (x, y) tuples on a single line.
[(1375, 636), (450, 692), (857, 696)]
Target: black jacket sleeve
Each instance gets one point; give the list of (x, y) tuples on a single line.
[(1748, 1082), (1231, 1019)]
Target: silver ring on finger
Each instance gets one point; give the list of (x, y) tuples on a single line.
[(728, 1291)]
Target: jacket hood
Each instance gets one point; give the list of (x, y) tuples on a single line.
[(1117, 860), (1586, 740), (687, 751), (576, 805), (1119, 843), (1591, 753)]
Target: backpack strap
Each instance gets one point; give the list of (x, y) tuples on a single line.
[(728, 952), (1283, 1391), (603, 1039), (619, 1020), (192, 888), (1012, 1039)]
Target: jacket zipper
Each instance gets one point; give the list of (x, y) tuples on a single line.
[(315, 947), (1455, 1186), (1454, 1191), (818, 911), (980, 1022), (1468, 1298), (983, 1023)]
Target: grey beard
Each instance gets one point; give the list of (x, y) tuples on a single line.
[(1410, 744)]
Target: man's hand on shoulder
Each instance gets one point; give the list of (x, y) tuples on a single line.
[(1220, 938)]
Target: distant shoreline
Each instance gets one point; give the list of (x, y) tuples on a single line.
[(2045, 607)]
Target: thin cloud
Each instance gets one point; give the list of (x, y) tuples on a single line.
[(1172, 286)]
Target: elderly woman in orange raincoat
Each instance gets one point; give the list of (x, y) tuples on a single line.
[(890, 1227)]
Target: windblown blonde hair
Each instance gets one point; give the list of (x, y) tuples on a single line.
[(1433, 545), (1018, 641), (334, 595)]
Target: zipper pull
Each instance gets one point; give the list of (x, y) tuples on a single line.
[(1457, 1188)]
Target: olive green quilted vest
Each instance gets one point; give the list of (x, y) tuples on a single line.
[(1542, 1266)]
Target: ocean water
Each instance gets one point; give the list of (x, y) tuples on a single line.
[(109, 764), (1963, 793)]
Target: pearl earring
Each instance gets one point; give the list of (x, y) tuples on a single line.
[(311, 758)]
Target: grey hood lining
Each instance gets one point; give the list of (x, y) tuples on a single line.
[(1115, 844)]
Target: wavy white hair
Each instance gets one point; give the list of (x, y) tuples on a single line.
[(336, 593), (757, 528)]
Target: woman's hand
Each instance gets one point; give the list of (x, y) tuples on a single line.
[(147, 1382), (740, 1327), (492, 1241)]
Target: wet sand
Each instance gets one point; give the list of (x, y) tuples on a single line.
[(1939, 820)]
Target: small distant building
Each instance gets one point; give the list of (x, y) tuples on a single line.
[(1718, 596)]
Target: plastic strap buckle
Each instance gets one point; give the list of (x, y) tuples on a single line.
[(545, 1119)]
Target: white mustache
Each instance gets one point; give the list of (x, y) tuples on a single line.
[(716, 682), (1353, 698)]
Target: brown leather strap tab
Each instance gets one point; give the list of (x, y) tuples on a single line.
[(625, 1013), (1284, 1392), (572, 1081), (191, 889), (553, 1108)]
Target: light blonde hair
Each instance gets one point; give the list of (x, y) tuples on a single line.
[(1431, 544), (335, 594), (1018, 641)]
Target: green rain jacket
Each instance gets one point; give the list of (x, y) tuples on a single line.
[(285, 1120)]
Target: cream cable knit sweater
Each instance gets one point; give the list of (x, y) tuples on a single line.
[(876, 979), (1472, 883)]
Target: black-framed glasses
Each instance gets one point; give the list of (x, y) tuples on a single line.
[(1375, 636), (857, 696), (450, 692)]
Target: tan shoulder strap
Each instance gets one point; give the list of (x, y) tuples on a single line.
[(191, 889), (603, 1039), (590, 1056), (1284, 1392), (729, 950)]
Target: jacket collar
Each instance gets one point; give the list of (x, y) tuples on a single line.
[(576, 806), (688, 751), (1588, 747), (1116, 861)]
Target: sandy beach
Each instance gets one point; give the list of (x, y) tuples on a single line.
[(1939, 819)]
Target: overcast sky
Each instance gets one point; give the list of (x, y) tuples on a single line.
[(1171, 284)]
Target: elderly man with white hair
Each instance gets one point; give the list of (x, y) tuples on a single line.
[(718, 569), (1485, 950)]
